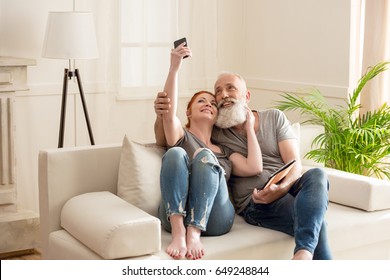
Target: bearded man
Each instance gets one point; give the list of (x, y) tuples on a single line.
[(297, 204)]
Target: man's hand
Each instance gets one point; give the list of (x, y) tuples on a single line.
[(268, 195), (161, 104)]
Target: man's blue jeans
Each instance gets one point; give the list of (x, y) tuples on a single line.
[(300, 213), (197, 190)]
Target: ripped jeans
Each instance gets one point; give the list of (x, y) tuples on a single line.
[(197, 190)]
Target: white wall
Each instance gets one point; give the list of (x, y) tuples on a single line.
[(297, 45), (276, 44)]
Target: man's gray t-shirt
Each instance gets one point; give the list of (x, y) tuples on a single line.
[(273, 128)]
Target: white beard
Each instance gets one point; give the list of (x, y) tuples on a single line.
[(233, 115)]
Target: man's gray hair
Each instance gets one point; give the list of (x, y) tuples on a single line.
[(241, 78)]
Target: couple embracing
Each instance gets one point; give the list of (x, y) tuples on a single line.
[(216, 165)]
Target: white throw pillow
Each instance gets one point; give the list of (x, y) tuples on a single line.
[(139, 175)]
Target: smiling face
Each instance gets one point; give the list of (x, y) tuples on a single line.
[(202, 106), (230, 85), (232, 96)]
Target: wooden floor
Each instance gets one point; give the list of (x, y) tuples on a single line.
[(33, 254)]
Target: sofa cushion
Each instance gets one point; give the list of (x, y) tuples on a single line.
[(64, 246), (353, 234), (110, 226), (139, 175)]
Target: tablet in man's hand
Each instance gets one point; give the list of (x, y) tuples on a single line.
[(279, 174)]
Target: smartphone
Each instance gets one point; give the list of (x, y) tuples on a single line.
[(179, 42)]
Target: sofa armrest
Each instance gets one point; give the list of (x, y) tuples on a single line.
[(358, 191), (67, 172), (110, 226)]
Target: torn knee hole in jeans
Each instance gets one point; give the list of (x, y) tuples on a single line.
[(204, 159), (206, 153)]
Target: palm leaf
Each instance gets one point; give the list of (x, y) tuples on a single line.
[(350, 142), (371, 73)]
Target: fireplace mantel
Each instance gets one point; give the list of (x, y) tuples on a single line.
[(19, 228)]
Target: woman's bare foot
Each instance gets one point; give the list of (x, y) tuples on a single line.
[(177, 249), (195, 249), (303, 255)]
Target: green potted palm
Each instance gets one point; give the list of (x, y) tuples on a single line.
[(350, 142)]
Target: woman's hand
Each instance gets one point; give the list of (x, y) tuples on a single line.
[(177, 56), (250, 120)]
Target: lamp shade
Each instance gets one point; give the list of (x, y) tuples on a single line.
[(70, 35)]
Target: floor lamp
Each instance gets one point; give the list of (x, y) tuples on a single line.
[(71, 36)]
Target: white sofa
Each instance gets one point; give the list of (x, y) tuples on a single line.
[(83, 218)]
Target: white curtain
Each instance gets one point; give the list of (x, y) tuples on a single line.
[(376, 46)]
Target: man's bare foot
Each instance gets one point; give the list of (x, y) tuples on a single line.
[(303, 255), (177, 249), (195, 249)]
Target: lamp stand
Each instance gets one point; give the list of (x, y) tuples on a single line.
[(67, 76)]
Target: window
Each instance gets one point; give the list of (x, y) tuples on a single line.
[(147, 30)]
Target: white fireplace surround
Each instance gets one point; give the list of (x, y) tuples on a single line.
[(19, 228)]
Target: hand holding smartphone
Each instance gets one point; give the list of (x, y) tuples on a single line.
[(179, 42)]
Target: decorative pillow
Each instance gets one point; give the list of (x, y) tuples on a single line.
[(139, 175)]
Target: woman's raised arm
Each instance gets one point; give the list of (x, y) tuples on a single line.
[(172, 126)]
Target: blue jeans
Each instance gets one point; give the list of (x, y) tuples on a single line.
[(197, 190), (300, 213)]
